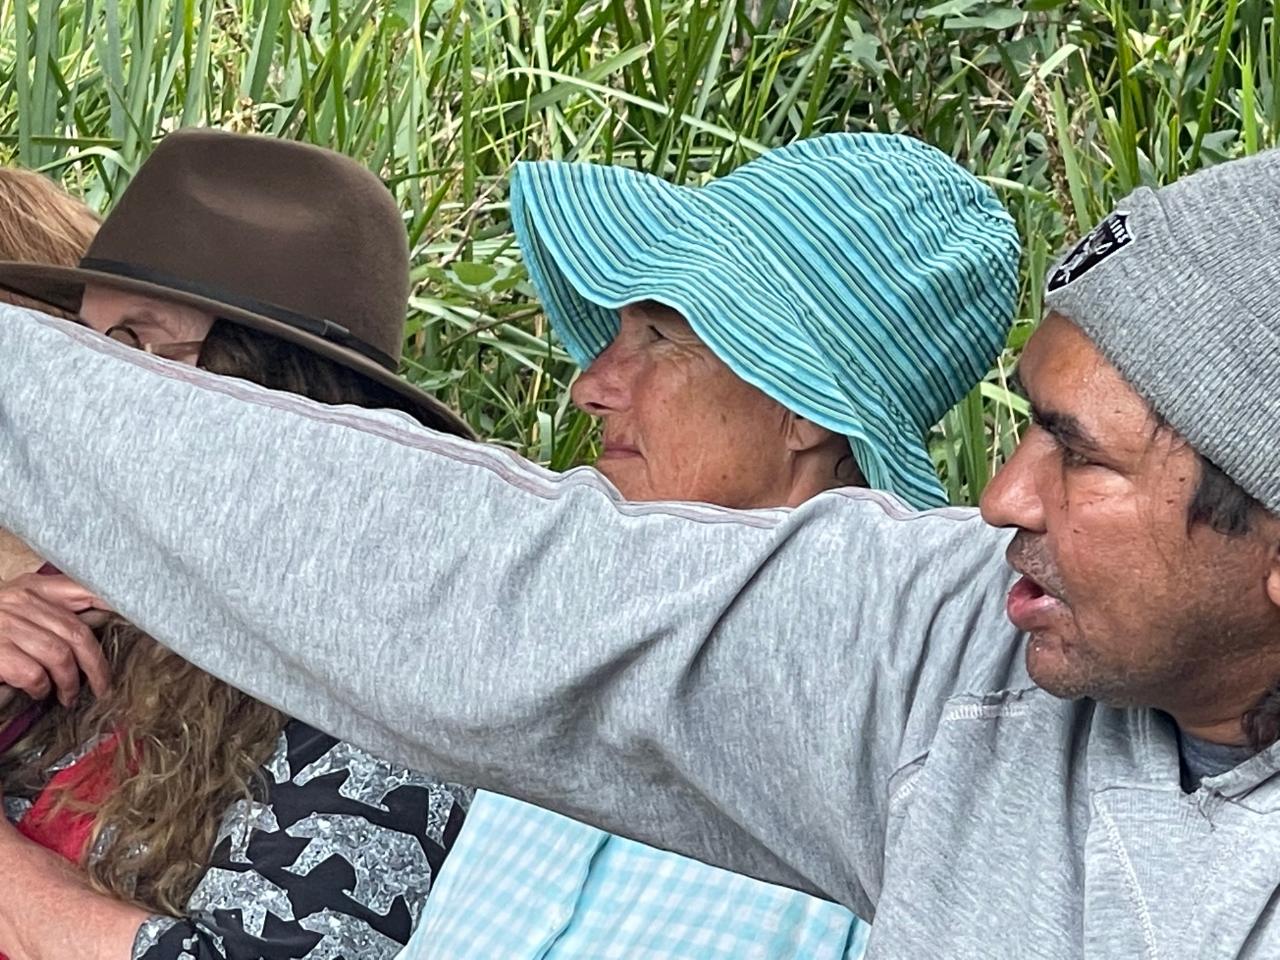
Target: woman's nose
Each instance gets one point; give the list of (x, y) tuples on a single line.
[(604, 387)]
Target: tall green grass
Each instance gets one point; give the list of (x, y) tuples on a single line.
[(1063, 106)]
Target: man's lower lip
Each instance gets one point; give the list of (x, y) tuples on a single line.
[(618, 454), (1029, 607)]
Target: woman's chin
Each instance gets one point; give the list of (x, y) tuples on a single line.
[(626, 474)]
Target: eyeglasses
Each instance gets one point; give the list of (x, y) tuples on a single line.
[(183, 351)]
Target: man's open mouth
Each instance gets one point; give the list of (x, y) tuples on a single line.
[(1029, 606)]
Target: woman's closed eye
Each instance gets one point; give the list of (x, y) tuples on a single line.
[(655, 334)]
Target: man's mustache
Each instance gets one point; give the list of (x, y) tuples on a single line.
[(1027, 554)]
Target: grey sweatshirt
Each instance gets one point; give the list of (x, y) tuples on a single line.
[(828, 697)]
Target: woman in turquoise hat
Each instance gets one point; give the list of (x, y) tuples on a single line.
[(792, 328)]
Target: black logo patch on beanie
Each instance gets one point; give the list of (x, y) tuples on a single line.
[(1102, 241)]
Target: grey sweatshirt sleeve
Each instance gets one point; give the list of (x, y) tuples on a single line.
[(739, 687)]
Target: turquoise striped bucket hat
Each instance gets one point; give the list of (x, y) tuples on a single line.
[(864, 281)]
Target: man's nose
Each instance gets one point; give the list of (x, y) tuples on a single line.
[(1012, 498), (605, 386)]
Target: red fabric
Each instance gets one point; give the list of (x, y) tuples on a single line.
[(65, 830)]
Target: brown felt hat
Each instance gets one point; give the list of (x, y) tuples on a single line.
[(287, 238)]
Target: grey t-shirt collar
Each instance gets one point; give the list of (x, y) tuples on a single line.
[(1202, 759)]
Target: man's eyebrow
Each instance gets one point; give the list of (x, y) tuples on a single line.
[(1065, 429)]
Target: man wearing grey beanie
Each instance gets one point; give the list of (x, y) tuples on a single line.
[(1076, 759)]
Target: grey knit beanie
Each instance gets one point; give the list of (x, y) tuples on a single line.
[(1180, 290)]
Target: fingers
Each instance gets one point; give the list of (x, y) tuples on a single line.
[(39, 648), (44, 645), (91, 660), (59, 589), (93, 619), (20, 672)]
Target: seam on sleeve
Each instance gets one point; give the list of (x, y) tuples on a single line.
[(506, 465)]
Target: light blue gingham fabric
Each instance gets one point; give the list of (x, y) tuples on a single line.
[(522, 883)]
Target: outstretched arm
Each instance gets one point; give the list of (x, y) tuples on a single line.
[(734, 686)]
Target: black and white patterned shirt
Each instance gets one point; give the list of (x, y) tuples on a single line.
[(334, 862)]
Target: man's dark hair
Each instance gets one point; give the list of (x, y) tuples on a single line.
[(1220, 503), (1262, 722), (1226, 508)]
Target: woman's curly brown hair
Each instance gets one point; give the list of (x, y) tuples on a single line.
[(188, 745)]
